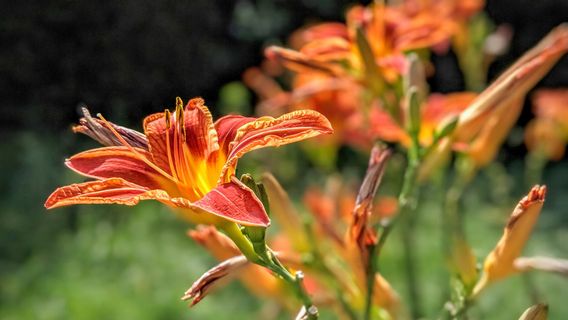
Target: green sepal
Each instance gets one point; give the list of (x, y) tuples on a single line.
[(447, 129), (257, 235), (414, 115)]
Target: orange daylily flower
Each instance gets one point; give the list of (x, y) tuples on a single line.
[(184, 160), (390, 30), (500, 263), (548, 131), (436, 111)]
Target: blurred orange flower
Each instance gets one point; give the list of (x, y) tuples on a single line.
[(548, 131), (337, 66), (437, 111)]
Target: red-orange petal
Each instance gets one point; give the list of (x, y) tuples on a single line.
[(235, 202), (227, 127), (109, 191), (299, 62), (116, 162), (197, 127), (270, 132)]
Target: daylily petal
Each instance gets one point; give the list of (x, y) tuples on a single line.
[(300, 62), (500, 262), (218, 244), (193, 125), (227, 127), (110, 191), (267, 132), (329, 49), (117, 162), (486, 145), (235, 202)]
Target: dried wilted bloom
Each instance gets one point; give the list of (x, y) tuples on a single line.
[(212, 277), (500, 263), (360, 230), (100, 131)]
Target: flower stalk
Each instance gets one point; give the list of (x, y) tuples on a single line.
[(407, 200)]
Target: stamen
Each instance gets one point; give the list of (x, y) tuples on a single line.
[(131, 148), (167, 116), (181, 165), (180, 118)]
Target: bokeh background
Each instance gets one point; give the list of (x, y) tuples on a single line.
[(130, 58)]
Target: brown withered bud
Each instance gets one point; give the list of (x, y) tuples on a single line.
[(359, 230), (209, 279), (99, 130)]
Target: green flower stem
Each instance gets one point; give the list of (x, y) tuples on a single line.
[(451, 313), (233, 231), (268, 260), (407, 200), (297, 283), (453, 228)]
